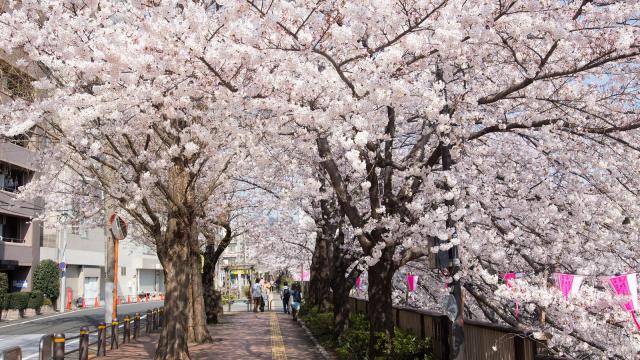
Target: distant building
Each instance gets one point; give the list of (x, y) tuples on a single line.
[(139, 270)]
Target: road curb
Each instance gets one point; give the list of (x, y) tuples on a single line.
[(317, 344)]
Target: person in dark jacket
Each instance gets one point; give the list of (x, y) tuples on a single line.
[(285, 295), (296, 300)]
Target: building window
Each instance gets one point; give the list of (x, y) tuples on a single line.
[(123, 271), (49, 240)]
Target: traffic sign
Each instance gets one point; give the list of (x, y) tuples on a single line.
[(62, 265), (118, 227)]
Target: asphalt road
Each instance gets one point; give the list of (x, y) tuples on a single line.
[(26, 333)]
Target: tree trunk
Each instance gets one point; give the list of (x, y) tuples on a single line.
[(319, 294), (198, 332), (341, 285), (208, 284), (213, 298), (173, 252), (380, 301)]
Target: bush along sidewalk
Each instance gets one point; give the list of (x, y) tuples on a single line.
[(16, 305), (353, 343)]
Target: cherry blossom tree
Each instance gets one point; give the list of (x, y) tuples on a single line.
[(131, 102), (542, 96)]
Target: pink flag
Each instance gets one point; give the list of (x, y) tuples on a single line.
[(626, 285), (412, 281), (509, 279), (358, 281), (569, 284)]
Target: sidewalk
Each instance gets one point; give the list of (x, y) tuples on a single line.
[(241, 335)]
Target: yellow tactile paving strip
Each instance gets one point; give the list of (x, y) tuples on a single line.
[(277, 345)]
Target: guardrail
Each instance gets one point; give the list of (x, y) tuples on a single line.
[(94, 343), (480, 337)]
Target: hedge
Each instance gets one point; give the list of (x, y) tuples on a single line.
[(46, 279), (4, 288), (36, 300), (18, 300)]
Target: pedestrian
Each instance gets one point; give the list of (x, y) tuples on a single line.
[(266, 292), (256, 294), (285, 295), (296, 300)]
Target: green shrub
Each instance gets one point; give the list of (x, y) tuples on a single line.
[(321, 324), (36, 300), (4, 288), (46, 279), (47, 302), (18, 300)]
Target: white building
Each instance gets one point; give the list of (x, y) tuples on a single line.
[(139, 270)]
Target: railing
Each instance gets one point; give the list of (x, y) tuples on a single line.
[(105, 338), (483, 340)]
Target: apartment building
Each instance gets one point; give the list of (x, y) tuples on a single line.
[(19, 232)]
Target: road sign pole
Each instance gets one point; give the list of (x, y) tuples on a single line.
[(114, 313)]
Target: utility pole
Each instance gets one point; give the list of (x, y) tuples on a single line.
[(62, 246), (457, 327)]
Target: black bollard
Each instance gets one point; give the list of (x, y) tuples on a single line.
[(156, 319), (58, 346), (136, 326), (126, 334), (114, 334), (161, 317), (148, 322), (102, 339), (83, 347)]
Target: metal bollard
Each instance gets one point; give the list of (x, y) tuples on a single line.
[(161, 317), (46, 347), (14, 353), (58, 346), (83, 347), (126, 335), (156, 319), (102, 339), (148, 322), (136, 326), (114, 334)]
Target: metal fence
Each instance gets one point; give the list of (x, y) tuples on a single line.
[(96, 343), (483, 340)]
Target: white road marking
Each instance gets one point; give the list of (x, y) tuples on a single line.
[(52, 316)]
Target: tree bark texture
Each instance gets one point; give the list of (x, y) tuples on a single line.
[(380, 310), (173, 253), (319, 284), (213, 298), (341, 285)]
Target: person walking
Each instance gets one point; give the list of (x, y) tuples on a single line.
[(296, 300), (256, 295), (285, 295), (265, 295)]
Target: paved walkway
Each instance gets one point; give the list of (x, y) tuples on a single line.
[(241, 335)]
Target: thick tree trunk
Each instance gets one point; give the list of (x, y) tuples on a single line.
[(320, 282), (198, 332), (380, 301), (173, 252), (341, 285)]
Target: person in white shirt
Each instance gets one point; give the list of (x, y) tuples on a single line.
[(256, 294)]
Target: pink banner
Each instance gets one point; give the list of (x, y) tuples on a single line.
[(569, 284), (358, 282), (626, 285), (509, 279), (412, 281)]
